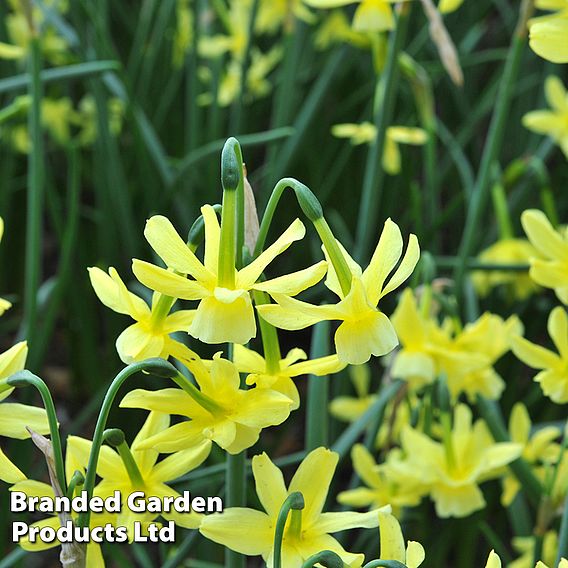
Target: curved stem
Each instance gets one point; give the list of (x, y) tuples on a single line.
[(325, 558), (295, 502), (24, 379), (385, 564), (159, 367)]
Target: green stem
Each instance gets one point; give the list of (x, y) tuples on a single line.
[(202, 399), (294, 502), (158, 367), (383, 109), (236, 497), (227, 245), (35, 195), (24, 379), (317, 422), (491, 413), (77, 480), (384, 564), (269, 335), (502, 211), (492, 147), (130, 464), (563, 535), (325, 558)]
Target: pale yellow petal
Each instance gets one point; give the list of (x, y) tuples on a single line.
[(392, 541), (15, 417), (13, 359), (270, 486), (295, 282), (212, 238), (542, 235), (533, 355), (558, 330), (8, 471), (182, 462)]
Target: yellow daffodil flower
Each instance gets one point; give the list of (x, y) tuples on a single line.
[(223, 314), (488, 338), (562, 564), (551, 270), (525, 545), (14, 417), (280, 379), (493, 560), (553, 377), (366, 132), (554, 122), (392, 543), (149, 336), (448, 6), (548, 33), (251, 532), (142, 471), (276, 14), (364, 330), (336, 29), (219, 412), (370, 15), (453, 469), (466, 358), (4, 304), (382, 488), (540, 447), (506, 251)]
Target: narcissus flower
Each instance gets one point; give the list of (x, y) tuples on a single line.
[(448, 6), (554, 122), (538, 448), (525, 546), (14, 417), (280, 379), (392, 543), (220, 412), (276, 14), (4, 304), (364, 330), (550, 271), (453, 469), (382, 488), (366, 132), (548, 33), (370, 15), (553, 377), (506, 251), (223, 314), (142, 471), (149, 336), (307, 532)]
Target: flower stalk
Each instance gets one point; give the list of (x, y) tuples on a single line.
[(295, 503)]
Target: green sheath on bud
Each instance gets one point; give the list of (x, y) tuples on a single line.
[(230, 167), (308, 202)]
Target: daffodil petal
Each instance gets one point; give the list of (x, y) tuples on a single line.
[(167, 282), (170, 247), (8, 471), (109, 465), (248, 275), (180, 463), (270, 486), (179, 321), (295, 282), (392, 542), (335, 522), (558, 330), (136, 343), (13, 359), (320, 366), (247, 360), (365, 466), (212, 238), (15, 417), (542, 235), (170, 401), (175, 438), (533, 355)]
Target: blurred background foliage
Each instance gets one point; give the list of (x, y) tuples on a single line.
[(138, 98)]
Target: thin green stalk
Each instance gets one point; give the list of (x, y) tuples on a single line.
[(236, 497), (295, 503), (317, 421), (383, 108), (156, 366), (563, 535), (35, 196), (492, 146), (269, 335), (384, 564), (24, 379), (325, 558)]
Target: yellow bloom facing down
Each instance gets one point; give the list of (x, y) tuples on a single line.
[(553, 122), (392, 543), (540, 447), (364, 330), (251, 532), (550, 271), (381, 486), (223, 314), (220, 412), (149, 336), (370, 15), (15, 417), (280, 380), (548, 33), (453, 470), (153, 475), (506, 251), (553, 377)]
